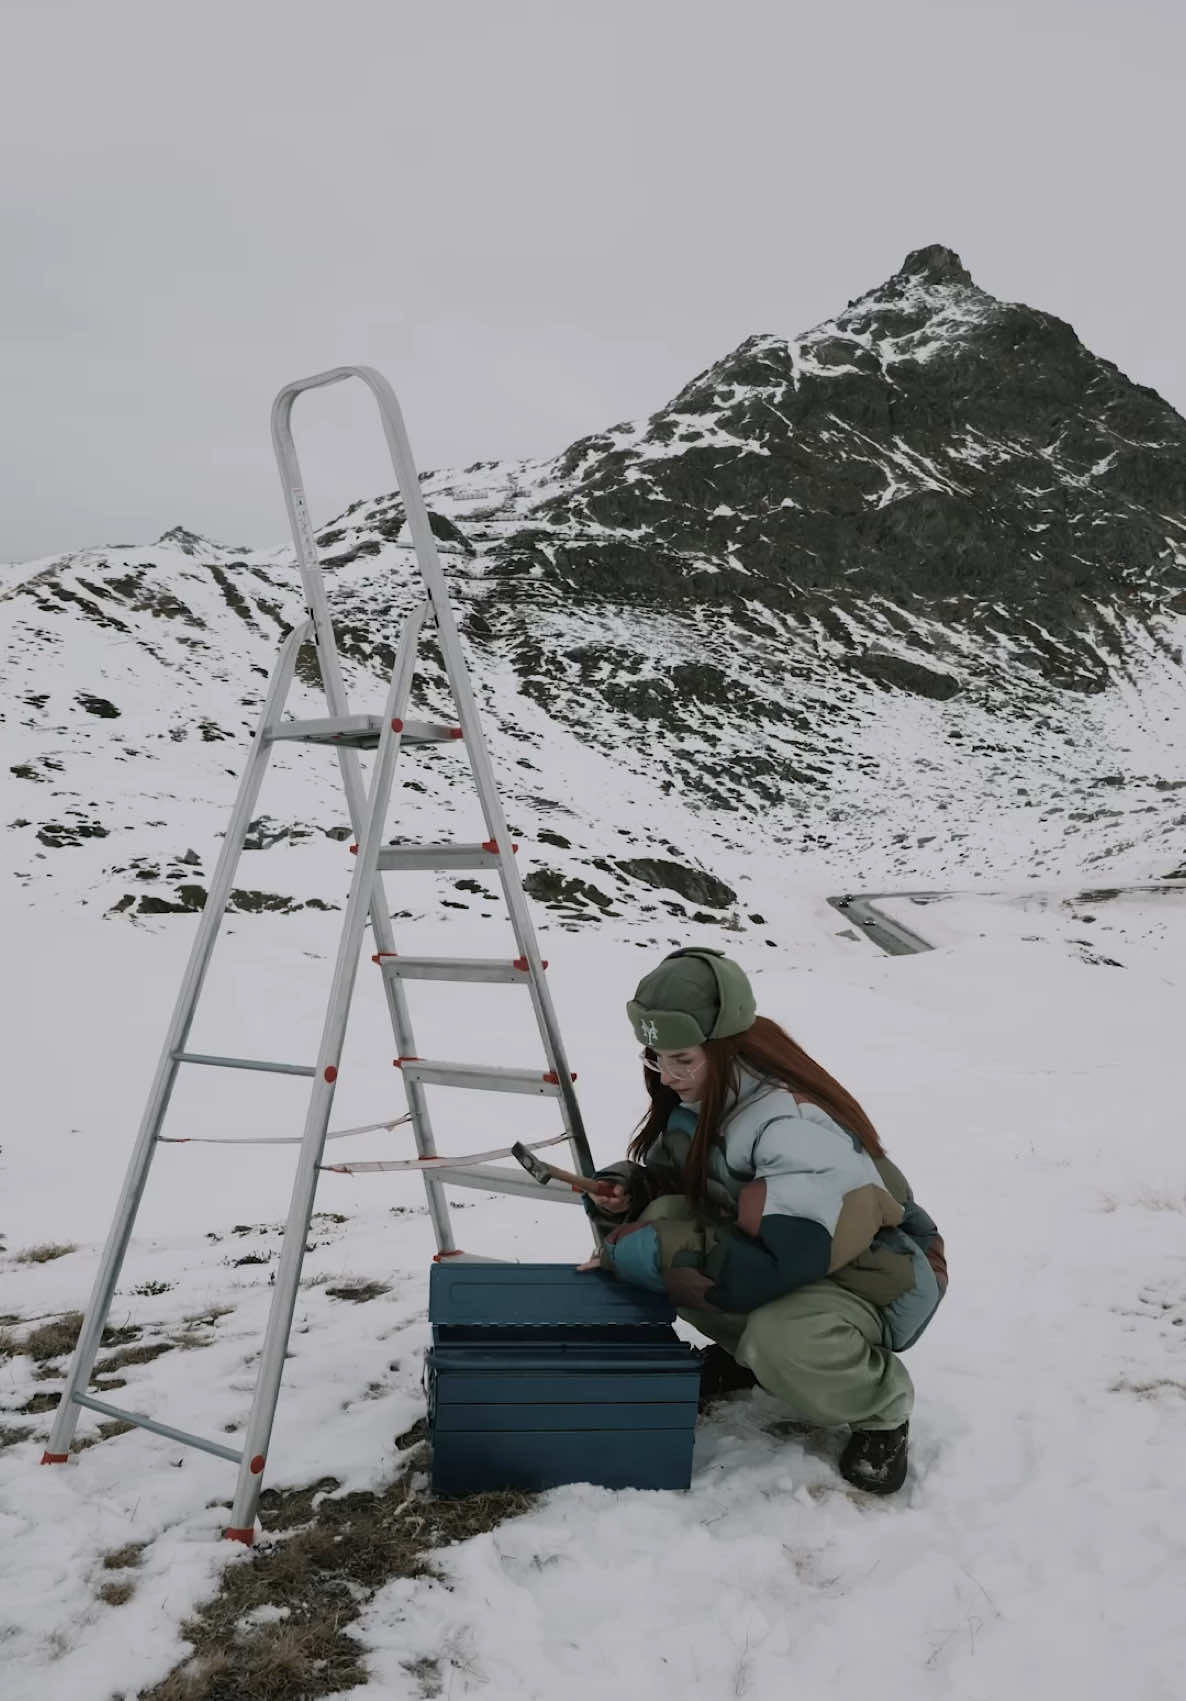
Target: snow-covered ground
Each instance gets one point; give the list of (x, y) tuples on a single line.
[(1026, 1074)]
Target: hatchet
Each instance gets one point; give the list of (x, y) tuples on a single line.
[(543, 1173)]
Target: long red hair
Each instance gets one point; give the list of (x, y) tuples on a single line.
[(770, 1052)]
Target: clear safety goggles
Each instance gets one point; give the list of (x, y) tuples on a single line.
[(677, 1071)]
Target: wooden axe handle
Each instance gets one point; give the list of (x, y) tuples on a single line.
[(534, 1166)]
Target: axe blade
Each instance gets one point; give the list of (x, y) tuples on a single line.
[(537, 1170)]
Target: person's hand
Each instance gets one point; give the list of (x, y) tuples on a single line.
[(612, 1239), (611, 1196)]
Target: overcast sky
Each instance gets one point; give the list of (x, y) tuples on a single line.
[(537, 217)]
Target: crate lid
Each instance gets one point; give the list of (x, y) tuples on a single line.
[(525, 1294)]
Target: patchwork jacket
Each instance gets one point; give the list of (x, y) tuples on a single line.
[(792, 1198)]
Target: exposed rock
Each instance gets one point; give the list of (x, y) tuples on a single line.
[(902, 674), (97, 706), (57, 833), (265, 831), (565, 892), (693, 884), (935, 265)]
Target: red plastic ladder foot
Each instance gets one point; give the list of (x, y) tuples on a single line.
[(247, 1537)]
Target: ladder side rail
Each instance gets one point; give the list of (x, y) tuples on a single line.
[(476, 749), (399, 1011), (335, 691), (304, 1189), (120, 1233), (308, 562)]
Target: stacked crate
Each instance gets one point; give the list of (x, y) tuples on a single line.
[(540, 1375)]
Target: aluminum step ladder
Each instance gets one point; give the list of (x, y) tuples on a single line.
[(388, 735)]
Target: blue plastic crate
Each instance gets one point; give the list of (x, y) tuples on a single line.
[(540, 1375)]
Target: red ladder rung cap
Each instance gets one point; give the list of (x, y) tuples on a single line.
[(554, 1078), (381, 956), (456, 732), (520, 963), (398, 1062), (397, 725), (491, 845), (331, 1074), (257, 1464), (353, 850)]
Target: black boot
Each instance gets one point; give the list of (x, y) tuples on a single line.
[(876, 1459), (720, 1374)]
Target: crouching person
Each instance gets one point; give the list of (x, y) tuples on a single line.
[(758, 1196)]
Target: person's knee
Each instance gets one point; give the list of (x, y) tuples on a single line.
[(802, 1340), (667, 1208)]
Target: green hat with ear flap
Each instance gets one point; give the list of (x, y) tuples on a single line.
[(694, 995)]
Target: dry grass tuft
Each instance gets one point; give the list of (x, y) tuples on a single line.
[(209, 1317), (104, 1432), (115, 1594), (1161, 1199), (54, 1339), (322, 1563), (1148, 1390), (121, 1336), (44, 1254), (41, 1403), (11, 1435), (414, 1436), (427, 1672), (191, 1338), (358, 1291), (9, 1345), (60, 1336), (123, 1558), (132, 1355)]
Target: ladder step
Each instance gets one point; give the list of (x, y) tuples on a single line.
[(362, 732), (545, 1083), (440, 856), (244, 1063), (494, 1180), (165, 1429), (453, 968)]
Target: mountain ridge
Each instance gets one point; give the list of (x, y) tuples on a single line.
[(843, 591)]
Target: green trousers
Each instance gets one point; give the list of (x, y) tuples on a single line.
[(818, 1349)]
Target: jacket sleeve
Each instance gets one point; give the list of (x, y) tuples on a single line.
[(785, 1216), (917, 1223), (923, 1229), (642, 1184)]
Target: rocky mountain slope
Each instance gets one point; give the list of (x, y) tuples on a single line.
[(898, 601)]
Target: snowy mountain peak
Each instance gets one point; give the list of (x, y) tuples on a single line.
[(901, 598), (193, 543), (935, 264)]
